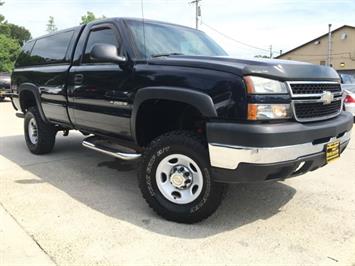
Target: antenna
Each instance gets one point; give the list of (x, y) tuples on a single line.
[(145, 48)]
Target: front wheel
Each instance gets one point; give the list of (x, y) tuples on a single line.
[(39, 136), (175, 178)]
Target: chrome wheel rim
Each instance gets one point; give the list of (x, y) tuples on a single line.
[(33, 131), (179, 179)]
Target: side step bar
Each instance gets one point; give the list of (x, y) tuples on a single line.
[(110, 148), (20, 115)]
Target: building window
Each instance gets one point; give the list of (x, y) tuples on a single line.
[(322, 63), (343, 36)]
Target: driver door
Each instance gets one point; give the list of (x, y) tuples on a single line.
[(99, 99)]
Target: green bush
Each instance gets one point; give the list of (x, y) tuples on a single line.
[(9, 50)]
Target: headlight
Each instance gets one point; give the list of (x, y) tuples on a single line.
[(258, 85), (269, 111)]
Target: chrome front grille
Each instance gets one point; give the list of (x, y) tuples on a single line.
[(314, 101)]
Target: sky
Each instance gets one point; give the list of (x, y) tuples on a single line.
[(284, 24)]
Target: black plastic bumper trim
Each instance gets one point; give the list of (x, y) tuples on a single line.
[(279, 134)]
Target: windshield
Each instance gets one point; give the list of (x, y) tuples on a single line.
[(165, 39), (348, 78)]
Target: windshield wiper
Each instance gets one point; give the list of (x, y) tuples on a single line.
[(166, 54)]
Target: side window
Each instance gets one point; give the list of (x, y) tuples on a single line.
[(24, 58), (105, 35), (27, 47), (51, 49)]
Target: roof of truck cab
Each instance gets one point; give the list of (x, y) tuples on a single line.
[(110, 20), (139, 20), (56, 32)]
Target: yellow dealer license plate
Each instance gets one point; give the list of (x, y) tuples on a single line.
[(332, 151)]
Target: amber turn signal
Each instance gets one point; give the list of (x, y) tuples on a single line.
[(252, 111), (249, 84), (269, 111)]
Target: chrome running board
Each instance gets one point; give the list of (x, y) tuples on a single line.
[(111, 149)]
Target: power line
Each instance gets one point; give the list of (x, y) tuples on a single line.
[(315, 55), (198, 15), (232, 39)]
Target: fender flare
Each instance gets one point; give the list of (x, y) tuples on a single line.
[(201, 101), (36, 93)]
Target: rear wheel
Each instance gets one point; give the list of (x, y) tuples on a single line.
[(175, 178), (39, 136)]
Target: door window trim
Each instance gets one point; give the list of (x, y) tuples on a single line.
[(98, 27)]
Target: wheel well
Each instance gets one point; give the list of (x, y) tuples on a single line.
[(156, 117), (27, 99)]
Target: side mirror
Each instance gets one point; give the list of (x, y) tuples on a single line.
[(106, 53)]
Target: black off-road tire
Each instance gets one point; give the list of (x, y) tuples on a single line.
[(46, 133), (188, 144)]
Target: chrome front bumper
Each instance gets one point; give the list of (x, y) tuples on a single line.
[(229, 157)]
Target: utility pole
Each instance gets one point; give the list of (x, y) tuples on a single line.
[(198, 10), (270, 51), (329, 61)]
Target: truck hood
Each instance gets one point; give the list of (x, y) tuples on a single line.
[(269, 68)]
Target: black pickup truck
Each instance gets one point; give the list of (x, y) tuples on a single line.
[(170, 96)]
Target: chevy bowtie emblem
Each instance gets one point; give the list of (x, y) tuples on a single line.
[(327, 97)]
